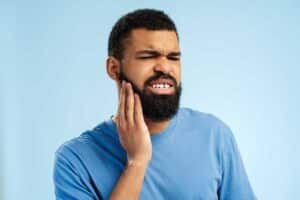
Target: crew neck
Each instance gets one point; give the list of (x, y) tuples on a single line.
[(111, 125)]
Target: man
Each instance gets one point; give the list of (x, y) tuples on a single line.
[(151, 149)]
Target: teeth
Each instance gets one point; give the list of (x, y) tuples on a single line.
[(160, 85)]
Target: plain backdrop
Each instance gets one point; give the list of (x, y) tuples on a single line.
[(240, 62)]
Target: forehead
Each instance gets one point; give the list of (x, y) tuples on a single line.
[(160, 40)]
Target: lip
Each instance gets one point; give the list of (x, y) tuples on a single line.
[(163, 81), (162, 91)]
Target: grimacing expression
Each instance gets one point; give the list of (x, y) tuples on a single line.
[(151, 63), (156, 107)]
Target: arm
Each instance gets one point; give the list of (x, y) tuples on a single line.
[(130, 182), (235, 184), (135, 138), (67, 181)]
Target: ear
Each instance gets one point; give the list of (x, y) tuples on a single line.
[(113, 67)]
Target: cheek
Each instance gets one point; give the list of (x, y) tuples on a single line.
[(138, 77), (177, 73)]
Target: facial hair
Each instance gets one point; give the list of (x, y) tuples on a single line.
[(156, 107)]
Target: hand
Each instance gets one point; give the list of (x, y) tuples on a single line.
[(132, 129)]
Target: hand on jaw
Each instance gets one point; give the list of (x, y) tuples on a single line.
[(132, 129)]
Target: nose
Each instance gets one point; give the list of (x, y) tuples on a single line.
[(163, 65)]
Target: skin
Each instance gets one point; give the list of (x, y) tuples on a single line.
[(146, 52)]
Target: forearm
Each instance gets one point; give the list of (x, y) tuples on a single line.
[(130, 182)]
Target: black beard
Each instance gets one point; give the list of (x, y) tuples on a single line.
[(157, 108)]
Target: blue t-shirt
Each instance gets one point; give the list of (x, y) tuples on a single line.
[(195, 157)]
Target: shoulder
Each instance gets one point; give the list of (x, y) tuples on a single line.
[(189, 114), (74, 150), (207, 121), (75, 156), (195, 114)]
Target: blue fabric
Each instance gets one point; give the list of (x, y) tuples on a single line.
[(195, 157)]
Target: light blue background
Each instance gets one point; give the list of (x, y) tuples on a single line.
[(240, 62)]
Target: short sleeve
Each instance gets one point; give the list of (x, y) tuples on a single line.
[(67, 182), (235, 184)]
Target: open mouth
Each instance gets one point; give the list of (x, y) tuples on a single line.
[(161, 86)]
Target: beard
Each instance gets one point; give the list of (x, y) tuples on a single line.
[(156, 107)]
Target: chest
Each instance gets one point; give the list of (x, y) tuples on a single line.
[(178, 170), (182, 173)]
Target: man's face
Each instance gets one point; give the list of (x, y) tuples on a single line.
[(151, 63)]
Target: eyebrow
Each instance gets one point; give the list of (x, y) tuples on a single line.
[(157, 53)]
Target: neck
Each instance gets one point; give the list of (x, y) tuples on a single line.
[(156, 127)]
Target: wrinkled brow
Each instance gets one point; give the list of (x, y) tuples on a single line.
[(156, 53)]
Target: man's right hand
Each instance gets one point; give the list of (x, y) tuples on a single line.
[(132, 129)]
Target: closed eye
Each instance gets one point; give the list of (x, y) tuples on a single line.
[(151, 54), (173, 58), (146, 57)]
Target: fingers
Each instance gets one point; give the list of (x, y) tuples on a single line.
[(130, 108), (138, 110), (129, 104), (121, 111)]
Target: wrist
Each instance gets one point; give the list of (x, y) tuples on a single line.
[(138, 163)]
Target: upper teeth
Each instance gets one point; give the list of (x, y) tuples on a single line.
[(161, 86)]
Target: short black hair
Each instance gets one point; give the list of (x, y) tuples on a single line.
[(150, 19)]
